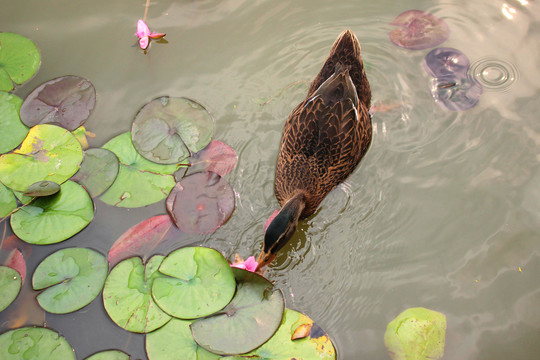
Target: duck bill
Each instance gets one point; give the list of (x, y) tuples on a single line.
[(264, 259)]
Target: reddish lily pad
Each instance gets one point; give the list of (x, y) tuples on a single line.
[(167, 130), (98, 171), (42, 188), (10, 285), (11, 251), (34, 343), (417, 30), (19, 60), (217, 157), (12, 130), (201, 203), (66, 101), (15, 260)]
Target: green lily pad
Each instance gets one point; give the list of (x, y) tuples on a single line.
[(10, 285), (173, 339), (127, 297), (55, 218), (139, 182), (7, 201), (34, 343), (66, 101), (72, 278), (19, 60), (109, 355), (42, 188), (416, 334), (199, 282), (98, 171), (12, 130), (167, 130), (247, 322), (47, 153)]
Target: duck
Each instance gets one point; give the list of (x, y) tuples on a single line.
[(323, 141)]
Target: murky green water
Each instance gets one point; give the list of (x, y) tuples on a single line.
[(443, 212)]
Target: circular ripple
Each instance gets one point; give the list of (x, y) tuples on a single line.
[(494, 74)]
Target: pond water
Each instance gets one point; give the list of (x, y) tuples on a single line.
[(443, 212)]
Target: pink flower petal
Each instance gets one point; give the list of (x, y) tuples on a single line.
[(251, 264), (142, 29), (155, 35), (143, 42), (239, 266)]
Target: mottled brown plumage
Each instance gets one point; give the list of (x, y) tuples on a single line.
[(324, 139)]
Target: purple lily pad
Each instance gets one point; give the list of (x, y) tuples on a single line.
[(456, 92), (201, 203), (446, 61), (66, 101), (418, 30)]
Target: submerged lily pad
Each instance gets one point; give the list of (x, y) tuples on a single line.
[(247, 322), (201, 203), (416, 333), (10, 285), (109, 355), (173, 339), (418, 30), (12, 130), (167, 130), (217, 157), (55, 218), (7, 201), (47, 153), (456, 92), (127, 298), (72, 278), (139, 182), (19, 60), (42, 188), (34, 343), (66, 101), (446, 61), (198, 282), (98, 171)]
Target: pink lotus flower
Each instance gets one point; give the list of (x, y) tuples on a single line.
[(250, 264), (144, 34)]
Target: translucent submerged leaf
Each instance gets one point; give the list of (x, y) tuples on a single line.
[(416, 334), (42, 188), (34, 343), (217, 157), (10, 285), (109, 355), (19, 60), (12, 130), (418, 30), (98, 171), (72, 278), (54, 218), (66, 101), (7, 201), (198, 282), (167, 130), (446, 61), (251, 318), (456, 92)]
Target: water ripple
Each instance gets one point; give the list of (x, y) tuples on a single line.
[(494, 74)]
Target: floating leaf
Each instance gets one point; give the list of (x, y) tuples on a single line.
[(201, 203), (199, 282), (82, 136), (34, 343), (167, 130), (416, 333), (98, 171), (10, 285), (216, 157), (42, 188), (145, 239), (456, 92), (446, 61), (127, 297), (247, 322), (15, 248), (54, 218), (66, 101), (109, 355), (71, 277), (173, 339), (139, 182), (15, 260), (47, 153), (418, 30), (12, 130), (7, 201), (19, 60)]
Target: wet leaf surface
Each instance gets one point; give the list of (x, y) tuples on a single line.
[(109, 355), (198, 281), (217, 157), (446, 61), (54, 218), (167, 130), (10, 285), (12, 130), (98, 171), (127, 298), (47, 153), (7, 201), (201, 203), (34, 343), (418, 30), (70, 279), (247, 322), (416, 333), (42, 188), (456, 92), (139, 182), (66, 101), (19, 60)]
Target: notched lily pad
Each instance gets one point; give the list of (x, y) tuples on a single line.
[(7, 201), (201, 203), (456, 92), (66, 101), (42, 188), (167, 130), (217, 157), (418, 30), (34, 343), (10, 285), (98, 171), (109, 355), (446, 61), (19, 60), (70, 279), (12, 130)]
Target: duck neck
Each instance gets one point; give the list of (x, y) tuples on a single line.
[(294, 207)]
